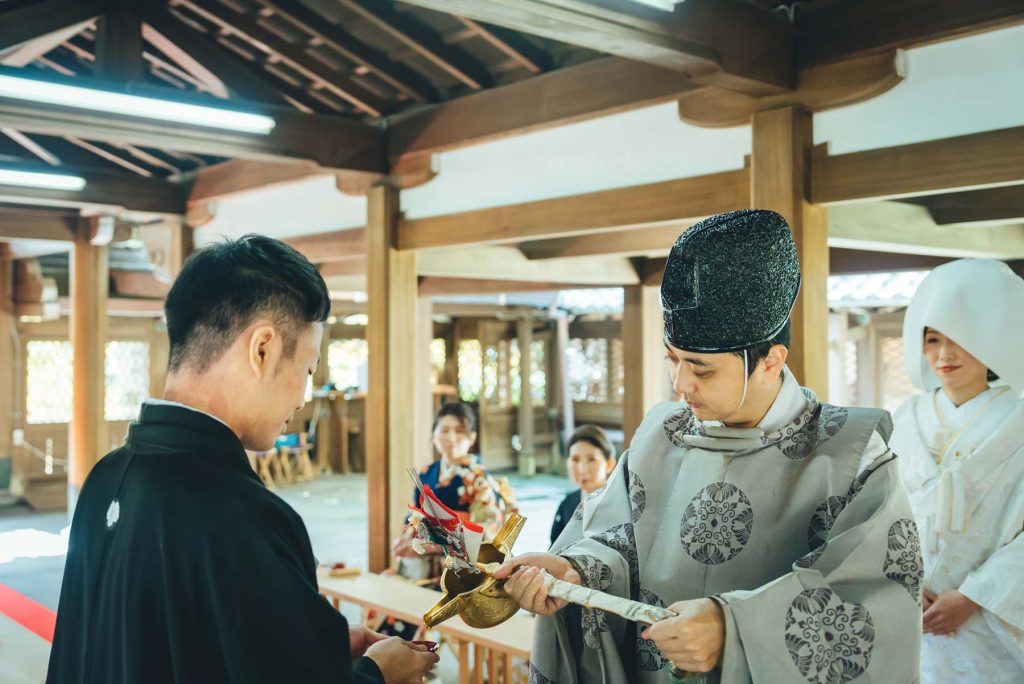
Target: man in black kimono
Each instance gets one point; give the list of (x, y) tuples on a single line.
[(181, 566)]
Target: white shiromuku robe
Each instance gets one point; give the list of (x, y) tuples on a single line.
[(800, 528), (970, 509)]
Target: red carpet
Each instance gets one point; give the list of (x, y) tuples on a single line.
[(27, 613)]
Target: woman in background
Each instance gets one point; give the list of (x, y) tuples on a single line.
[(961, 453), (591, 458)]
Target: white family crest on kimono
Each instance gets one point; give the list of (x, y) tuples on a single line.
[(802, 532), (964, 469)]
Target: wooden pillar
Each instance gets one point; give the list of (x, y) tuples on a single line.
[(561, 367), (524, 331), (7, 370), (398, 373), (780, 181), (643, 355), (87, 432)]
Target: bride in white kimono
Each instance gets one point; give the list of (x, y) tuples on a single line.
[(961, 449)]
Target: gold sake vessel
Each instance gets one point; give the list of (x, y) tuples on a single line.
[(480, 600)]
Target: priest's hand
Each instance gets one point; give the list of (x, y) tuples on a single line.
[(361, 638), (525, 584), (948, 612), (693, 641), (401, 662), (927, 599)]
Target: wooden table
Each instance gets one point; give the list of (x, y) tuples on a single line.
[(492, 649)]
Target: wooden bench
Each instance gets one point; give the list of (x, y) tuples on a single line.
[(484, 654)]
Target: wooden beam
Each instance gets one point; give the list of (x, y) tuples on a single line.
[(391, 436), (504, 262), (232, 21), (138, 284), (337, 245), (28, 52), (597, 88), (119, 45), (667, 201), (977, 207), (421, 40), (524, 416), (782, 144), (909, 229), (36, 225), (332, 142), (241, 176), (975, 161), (349, 267), (39, 18), (397, 75), (834, 30), (205, 78), (733, 44), (8, 400), (199, 53), (104, 188), (434, 286), (631, 242), (87, 438), (853, 261), (643, 351), (820, 87)]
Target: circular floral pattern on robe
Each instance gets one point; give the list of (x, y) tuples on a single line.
[(649, 657), (717, 523), (830, 640), (537, 677), (822, 520), (578, 513), (824, 424), (637, 496), (595, 623), (903, 562), (622, 539), (677, 425)]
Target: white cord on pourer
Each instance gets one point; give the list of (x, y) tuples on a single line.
[(743, 397)]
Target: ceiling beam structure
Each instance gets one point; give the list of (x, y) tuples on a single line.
[(979, 160), (295, 56), (730, 43), (833, 30), (31, 50), (668, 201), (30, 21), (976, 207), (103, 189), (332, 142), (601, 87)]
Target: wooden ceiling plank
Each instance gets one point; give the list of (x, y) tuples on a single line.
[(975, 161), (341, 85), (422, 41), (834, 30), (40, 18), (730, 43), (519, 49), (597, 88), (399, 76), (669, 201)]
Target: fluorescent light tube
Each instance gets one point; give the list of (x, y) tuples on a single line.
[(132, 105), (33, 179), (666, 5)]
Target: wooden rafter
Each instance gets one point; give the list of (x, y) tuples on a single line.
[(995, 205), (975, 161), (562, 96), (295, 56), (204, 78), (517, 48), (119, 46), (399, 76), (204, 49), (422, 41), (669, 201), (40, 18), (718, 42), (833, 30), (26, 53)]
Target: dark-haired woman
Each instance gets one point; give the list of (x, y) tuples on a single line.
[(591, 458), (961, 453)]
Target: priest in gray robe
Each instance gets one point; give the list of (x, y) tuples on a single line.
[(774, 525)]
